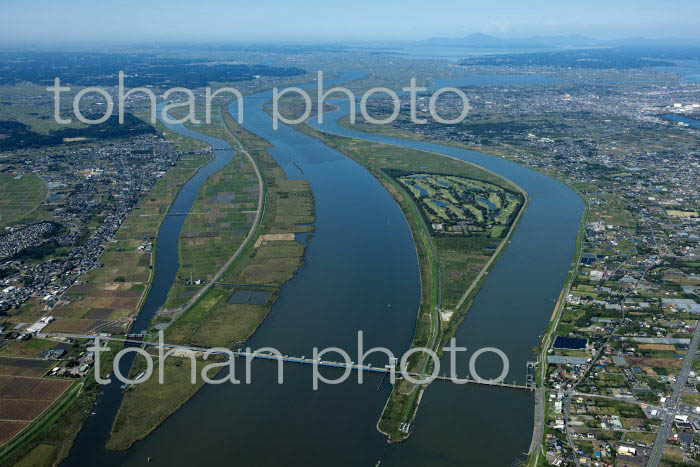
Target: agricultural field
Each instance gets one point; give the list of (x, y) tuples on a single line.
[(216, 227), (108, 294), (678, 213), (19, 195), (26, 348), (666, 365), (23, 398), (9, 429), (271, 263), (289, 210), (52, 410), (24, 394), (216, 319), (11, 366), (214, 322), (145, 220)]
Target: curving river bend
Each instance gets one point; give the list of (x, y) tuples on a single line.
[(360, 260)]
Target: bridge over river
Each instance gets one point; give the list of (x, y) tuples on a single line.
[(303, 360)]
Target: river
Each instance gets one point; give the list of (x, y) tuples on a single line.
[(691, 122), (360, 260)]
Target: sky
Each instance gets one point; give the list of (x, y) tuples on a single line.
[(61, 21)]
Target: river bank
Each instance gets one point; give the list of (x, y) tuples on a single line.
[(363, 258), (443, 259), (525, 178), (96, 430), (212, 317)]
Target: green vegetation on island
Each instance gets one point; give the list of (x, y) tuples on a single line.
[(215, 227), (461, 216), (217, 318)]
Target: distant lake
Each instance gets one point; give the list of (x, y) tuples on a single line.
[(455, 54), (499, 80), (688, 69), (682, 118)]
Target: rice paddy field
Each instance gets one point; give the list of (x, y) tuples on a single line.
[(213, 322), (216, 227), (268, 262), (218, 223), (24, 395)]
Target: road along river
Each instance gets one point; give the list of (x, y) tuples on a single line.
[(360, 260)]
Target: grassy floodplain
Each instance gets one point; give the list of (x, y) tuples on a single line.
[(21, 194), (217, 225), (214, 320), (433, 189)]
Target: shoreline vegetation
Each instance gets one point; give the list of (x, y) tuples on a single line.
[(533, 455), (402, 405), (452, 266), (266, 262)]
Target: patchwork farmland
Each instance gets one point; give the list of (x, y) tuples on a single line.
[(24, 394)]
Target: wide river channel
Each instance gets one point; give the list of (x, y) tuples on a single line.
[(361, 273)]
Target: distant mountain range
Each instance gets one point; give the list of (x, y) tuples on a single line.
[(485, 41)]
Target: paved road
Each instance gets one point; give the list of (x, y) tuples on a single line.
[(567, 420), (538, 429), (674, 403), (347, 364)]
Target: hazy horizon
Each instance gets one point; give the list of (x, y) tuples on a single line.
[(42, 21)]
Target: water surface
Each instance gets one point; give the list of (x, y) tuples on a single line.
[(683, 119), (361, 259)]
